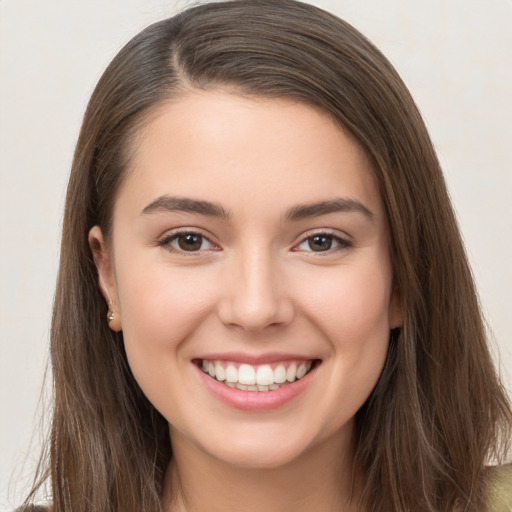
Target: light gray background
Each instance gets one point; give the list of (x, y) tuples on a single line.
[(455, 56)]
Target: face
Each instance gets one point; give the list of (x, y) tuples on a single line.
[(249, 271)]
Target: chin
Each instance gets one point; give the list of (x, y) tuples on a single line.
[(260, 446), (254, 456)]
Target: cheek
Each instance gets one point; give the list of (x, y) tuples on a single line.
[(160, 308), (352, 309), (352, 314)]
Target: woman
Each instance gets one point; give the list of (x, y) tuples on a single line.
[(263, 299)]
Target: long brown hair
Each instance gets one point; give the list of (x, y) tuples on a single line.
[(438, 413)]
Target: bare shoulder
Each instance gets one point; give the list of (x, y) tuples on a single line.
[(500, 488)]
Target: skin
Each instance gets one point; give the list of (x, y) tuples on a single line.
[(254, 285)]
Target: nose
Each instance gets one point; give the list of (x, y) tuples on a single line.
[(255, 295)]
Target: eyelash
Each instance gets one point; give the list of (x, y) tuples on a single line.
[(342, 243), (167, 241)]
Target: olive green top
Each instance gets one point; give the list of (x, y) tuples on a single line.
[(500, 489)]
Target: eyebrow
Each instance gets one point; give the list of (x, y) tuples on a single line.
[(185, 204), (325, 207)]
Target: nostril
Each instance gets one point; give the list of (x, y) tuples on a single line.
[(253, 294), (256, 316)]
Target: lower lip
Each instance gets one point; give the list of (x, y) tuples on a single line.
[(256, 400)]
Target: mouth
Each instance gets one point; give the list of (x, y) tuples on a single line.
[(256, 378)]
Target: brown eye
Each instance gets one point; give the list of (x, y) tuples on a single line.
[(320, 243), (323, 242), (189, 241)]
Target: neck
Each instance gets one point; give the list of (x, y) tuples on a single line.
[(321, 479)]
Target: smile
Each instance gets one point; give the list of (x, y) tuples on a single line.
[(247, 377)]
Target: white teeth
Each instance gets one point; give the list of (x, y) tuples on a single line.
[(291, 373), (231, 373), (301, 371), (256, 378), (264, 375), (280, 374), (220, 373), (246, 375)]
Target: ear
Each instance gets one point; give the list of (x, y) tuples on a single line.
[(106, 277), (396, 316)]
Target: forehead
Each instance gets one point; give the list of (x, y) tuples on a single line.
[(228, 147)]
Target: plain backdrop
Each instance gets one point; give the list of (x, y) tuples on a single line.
[(455, 56)]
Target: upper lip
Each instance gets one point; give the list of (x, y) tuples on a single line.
[(254, 359)]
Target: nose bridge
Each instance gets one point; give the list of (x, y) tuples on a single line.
[(256, 296)]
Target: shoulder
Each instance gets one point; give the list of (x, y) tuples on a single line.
[(33, 508), (500, 489)]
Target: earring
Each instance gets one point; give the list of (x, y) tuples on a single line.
[(110, 316)]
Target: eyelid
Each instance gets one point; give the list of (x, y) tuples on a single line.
[(169, 236), (344, 241)]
